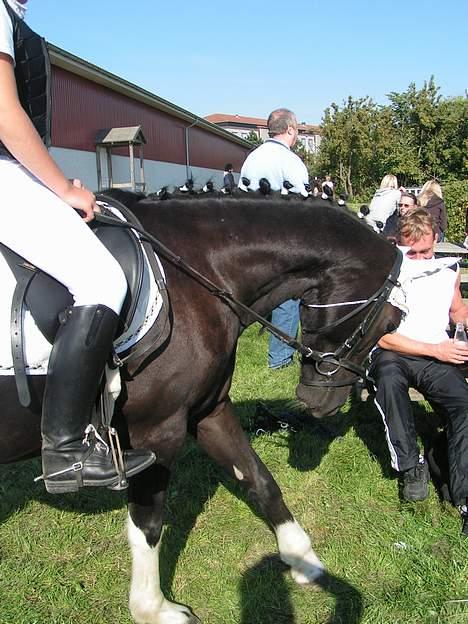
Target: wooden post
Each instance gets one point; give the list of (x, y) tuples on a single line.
[(132, 166), (98, 167), (142, 169), (109, 167)]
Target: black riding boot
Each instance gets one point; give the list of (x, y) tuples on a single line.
[(71, 456)]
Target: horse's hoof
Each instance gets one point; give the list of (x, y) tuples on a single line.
[(309, 576)]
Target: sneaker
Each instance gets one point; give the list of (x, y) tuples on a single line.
[(415, 483)]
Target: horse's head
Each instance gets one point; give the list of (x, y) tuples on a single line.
[(340, 338)]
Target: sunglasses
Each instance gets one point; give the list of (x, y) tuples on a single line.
[(406, 205)]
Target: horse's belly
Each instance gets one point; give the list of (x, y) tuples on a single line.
[(20, 434)]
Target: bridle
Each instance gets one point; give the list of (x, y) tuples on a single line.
[(339, 358), (336, 358)]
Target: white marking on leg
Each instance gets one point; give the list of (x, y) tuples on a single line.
[(295, 549), (238, 473), (147, 602)]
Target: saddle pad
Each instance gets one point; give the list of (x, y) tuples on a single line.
[(37, 349)]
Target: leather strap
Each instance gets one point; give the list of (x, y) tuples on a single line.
[(24, 273)]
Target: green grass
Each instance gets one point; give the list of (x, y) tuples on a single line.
[(64, 559)]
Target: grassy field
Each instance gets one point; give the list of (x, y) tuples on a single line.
[(65, 559)]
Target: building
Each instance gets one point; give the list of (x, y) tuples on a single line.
[(87, 100), (309, 136)]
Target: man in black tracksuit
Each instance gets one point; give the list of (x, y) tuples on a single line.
[(421, 355)]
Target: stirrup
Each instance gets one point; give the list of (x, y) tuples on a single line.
[(115, 448), (117, 456)]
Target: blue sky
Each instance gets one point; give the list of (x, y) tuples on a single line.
[(248, 58)]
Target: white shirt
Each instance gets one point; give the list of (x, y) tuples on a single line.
[(6, 32), (429, 289), (274, 161)]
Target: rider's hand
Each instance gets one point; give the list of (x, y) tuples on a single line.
[(79, 197), (452, 351)]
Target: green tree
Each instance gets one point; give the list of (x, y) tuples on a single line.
[(308, 158), (418, 136), (348, 142), (254, 138), (435, 131)]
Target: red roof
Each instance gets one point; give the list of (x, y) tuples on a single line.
[(218, 118)]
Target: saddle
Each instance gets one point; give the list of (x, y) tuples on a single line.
[(46, 298)]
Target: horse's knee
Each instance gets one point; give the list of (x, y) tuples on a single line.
[(147, 523)]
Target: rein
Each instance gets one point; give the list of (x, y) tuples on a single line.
[(319, 357)]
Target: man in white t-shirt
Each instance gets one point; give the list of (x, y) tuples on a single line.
[(275, 161), (420, 354)]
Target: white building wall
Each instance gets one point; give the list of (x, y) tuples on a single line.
[(82, 165)]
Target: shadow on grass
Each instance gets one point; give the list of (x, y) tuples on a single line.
[(194, 482), (368, 425), (265, 596), (17, 489)]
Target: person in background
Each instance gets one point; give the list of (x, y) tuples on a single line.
[(40, 222), (228, 181), (430, 198), (407, 202), (420, 353), (385, 201), (275, 161)]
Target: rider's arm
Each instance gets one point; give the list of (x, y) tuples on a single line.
[(18, 134)]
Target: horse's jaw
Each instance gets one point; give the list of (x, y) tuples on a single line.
[(322, 402)]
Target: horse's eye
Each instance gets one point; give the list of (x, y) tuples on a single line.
[(390, 328)]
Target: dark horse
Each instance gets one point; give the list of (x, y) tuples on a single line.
[(263, 251)]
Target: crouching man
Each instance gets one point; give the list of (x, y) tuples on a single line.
[(420, 354)]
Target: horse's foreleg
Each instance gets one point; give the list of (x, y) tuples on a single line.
[(148, 604), (222, 437)]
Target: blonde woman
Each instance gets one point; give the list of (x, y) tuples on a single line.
[(384, 203), (431, 199)]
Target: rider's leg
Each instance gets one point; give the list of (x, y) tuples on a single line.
[(80, 351), (54, 238)]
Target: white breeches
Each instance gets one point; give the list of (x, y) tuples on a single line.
[(42, 228)]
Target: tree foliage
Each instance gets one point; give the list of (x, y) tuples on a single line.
[(456, 202), (254, 138), (419, 135)]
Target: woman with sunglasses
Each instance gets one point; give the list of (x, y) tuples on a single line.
[(407, 202)]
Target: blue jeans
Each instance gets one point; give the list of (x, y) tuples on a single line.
[(286, 317)]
